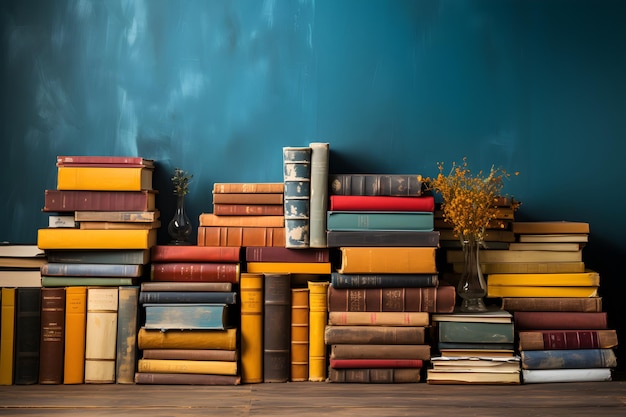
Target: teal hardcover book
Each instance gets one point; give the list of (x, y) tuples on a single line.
[(380, 220), (475, 332), (180, 316)]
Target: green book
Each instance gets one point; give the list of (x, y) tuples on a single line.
[(380, 220), (475, 332)]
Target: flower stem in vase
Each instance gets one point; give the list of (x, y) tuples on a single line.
[(471, 287)]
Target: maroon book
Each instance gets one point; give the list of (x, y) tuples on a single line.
[(173, 253), (105, 161), (72, 200), (382, 203), (560, 320), (567, 339), (195, 272), (282, 254)]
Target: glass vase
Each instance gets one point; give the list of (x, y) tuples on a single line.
[(471, 287), (179, 228)]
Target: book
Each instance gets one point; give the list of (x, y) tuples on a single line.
[(318, 317), (127, 326), (130, 216), (378, 318), (525, 267), (475, 332), (186, 316), (104, 160), (176, 297), (241, 236), (375, 184), (299, 349), (560, 320), (540, 291), (443, 377), (27, 335), (192, 253), (276, 327), (7, 335), (16, 263), (248, 187), (320, 153), (550, 227), (251, 325), (210, 219), (387, 260), (62, 269), (249, 209), (421, 221), (297, 195), (248, 198), (567, 339), (473, 352), (550, 246), (548, 376), (369, 351), (165, 286), (492, 315), (47, 281), (187, 367), (20, 278), (119, 226), (376, 363), (104, 256), (52, 343), (289, 267), (282, 254), (568, 358), (75, 330), (86, 200), (191, 354), (195, 271), (374, 375), (517, 256), (62, 238), (424, 203), (187, 339), (574, 279), (101, 335), (491, 235), (440, 299), (338, 280), (562, 237), (104, 178), (379, 335), (185, 379), (8, 250), (481, 363), (480, 347), (588, 304), (338, 238)]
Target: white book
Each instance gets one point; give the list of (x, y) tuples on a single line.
[(539, 376), (101, 337)]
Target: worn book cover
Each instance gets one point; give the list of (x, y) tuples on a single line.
[(251, 307), (101, 335), (299, 334), (85, 200), (276, 327), (52, 342), (182, 253)]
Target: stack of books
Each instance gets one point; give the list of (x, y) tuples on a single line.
[(474, 348), (190, 331)]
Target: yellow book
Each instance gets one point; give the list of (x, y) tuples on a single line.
[(65, 238), (513, 256), (101, 335), (187, 339), (104, 178), (179, 366), (7, 336), (289, 267), (299, 334), (318, 314), (251, 296), (518, 291), (75, 321), (389, 260), (575, 279), (525, 267)]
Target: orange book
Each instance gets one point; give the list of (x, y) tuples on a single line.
[(65, 238), (299, 334), (247, 187), (104, 178), (363, 260), (251, 289), (210, 219), (240, 236)]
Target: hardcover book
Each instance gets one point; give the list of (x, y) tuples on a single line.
[(127, 327), (276, 328), (379, 335), (62, 238), (249, 209), (101, 335), (20, 278), (545, 376), (560, 320), (383, 280), (191, 354), (375, 184), (185, 379), (421, 221), (475, 332), (187, 367), (251, 307), (299, 334), (375, 375), (7, 336), (197, 297), (248, 198), (117, 216), (182, 253), (550, 227), (60, 269), (75, 325), (240, 236), (87, 281), (568, 358), (104, 178), (387, 260), (104, 160), (525, 267), (386, 318), (567, 339), (446, 377), (318, 316), (517, 256), (369, 351), (187, 339), (52, 343), (247, 187), (186, 316), (424, 203), (119, 225), (540, 291), (338, 238), (583, 304), (105, 256), (562, 237), (574, 279), (210, 219), (319, 194), (297, 195), (165, 286), (27, 335), (281, 254), (376, 363), (86, 200), (195, 271), (289, 267)]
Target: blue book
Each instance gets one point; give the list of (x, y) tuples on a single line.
[(568, 359), (380, 220), (383, 280), (161, 297), (66, 269), (181, 316)]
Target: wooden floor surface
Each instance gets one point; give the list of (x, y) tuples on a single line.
[(304, 399)]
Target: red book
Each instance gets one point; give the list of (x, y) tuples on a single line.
[(195, 272), (105, 161), (70, 200), (375, 363), (281, 254), (382, 203), (567, 339), (560, 320), (172, 253)]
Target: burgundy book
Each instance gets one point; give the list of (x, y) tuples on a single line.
[(567, 339), (71, 200), (195, 272), (186, 379), (382, 203), (429, 299), (560, 320), (376, 363), (191, 354), (105, 161), (281, 254), (182, 253), (51, 347), (249, 209)]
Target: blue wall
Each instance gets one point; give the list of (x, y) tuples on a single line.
[(218, 87)]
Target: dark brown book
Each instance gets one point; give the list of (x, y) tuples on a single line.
[(70, 200), (560, 320), (370, 351), (195, 272), (440, 299), (374, 375), (281, 254), (51, 351), (27, 335), (249, 209), (375, 184), (276, 328), (241, 236), (582, 304), (247, 198), (186, 379), (377, 335), (567, 339), (183, 253), (191, 354)]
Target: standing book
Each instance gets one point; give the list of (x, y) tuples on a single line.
[(75, 327), (27, 334), (7, 336), (101, 335), (297, 196), (276, 328), (251, 324), (299, 334), (127, 327), (319, 194), (52, 342), (318, 317)]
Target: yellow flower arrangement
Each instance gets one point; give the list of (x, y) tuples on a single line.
[(468, 200)]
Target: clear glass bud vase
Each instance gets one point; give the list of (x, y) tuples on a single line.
[(472, 287), (179, 228)]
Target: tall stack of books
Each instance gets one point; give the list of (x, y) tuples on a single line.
[(190, 331), (382, 226)]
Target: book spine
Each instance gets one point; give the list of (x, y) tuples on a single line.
[(64, 238), (248, 198), (557, 320), (581, 304), (195, 272), (166, 253), (127, 326), (383, 238), (543, 376), (380, 220), (185, 379), (165, 286), (248, 209), (75, 322), (290, 267), (374, 375), (297, 196), (169, 297), (191, 354), (376, 363), (52, 336), (211, 219), (91, 270), (299, 334), (7, 336), (358, 318), (104, 160), (187, 367), (319, 194), (318, 316), (281, 254), (130, 256), (375, 184), (47, 281), (388, 260), (381, 203), (117, 216), (251, 308), (574, 339), (383, 280), (568, 358), (369, 351), (375, 335), (186, 316), (240, 236), (276, 327), (247, 187), (27, 335), (65, 201), (187, 339), (101, 335), (476, 332), (103, 178)]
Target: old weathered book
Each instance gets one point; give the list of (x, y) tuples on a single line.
[(320, 153), (387, 260), (248, 198), (75, 325), (187, 367), (104, 178), (191, 354), (550, 227), (164, 286), (117, 216), (517, 256), (376, 363), (127, 326), (62, 269), (281, 254), (24, 277), (119, 225), (375, 184), (21, 256), (440, 299), (369, 351), (421, 221), (574, 279), (251, 324), (546, 376), (383, 280), (299, 351), (568, 358), (62, 238), (187, 339), (492, 315), (85, 200), (378, 318), (247, 187), (240, 236), (211, 219), (479, 363), (185, 379), (374, 375), (104, 256), (560, 320), (195, 271), (588, 304), (567, 339), (27, 335), (379, 335), (276, 327), (559, 237), (297, 195), (7, 335), (182, 296), (540, 291), (289, 267), (101, 335), (338, 238), (104, 160), (550, 246), (164, 316), (52, 343), (249, 209), (475, 332), (318, 317), (382, 203), (47, 281), (453, 377), (183, 253)]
